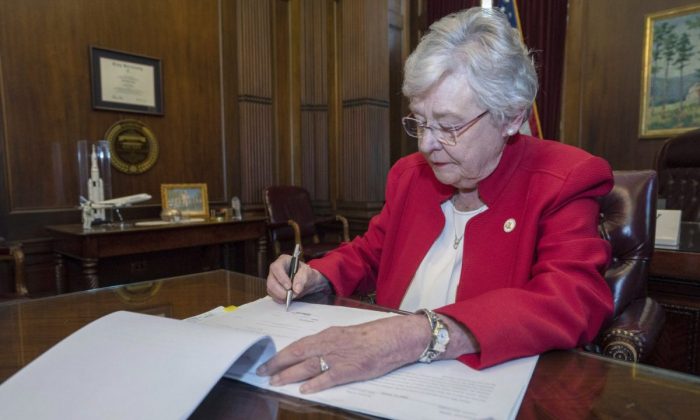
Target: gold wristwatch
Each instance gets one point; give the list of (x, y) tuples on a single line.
[(441, 336)]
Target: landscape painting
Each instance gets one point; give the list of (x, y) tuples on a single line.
[(671, 73)]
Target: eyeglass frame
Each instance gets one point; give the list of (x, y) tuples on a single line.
[(454, 131)]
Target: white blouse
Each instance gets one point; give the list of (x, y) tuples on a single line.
[(435, 282)]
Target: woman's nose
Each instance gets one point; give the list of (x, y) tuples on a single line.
[(428, 142)]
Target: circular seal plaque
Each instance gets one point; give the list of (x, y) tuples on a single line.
[(133, 146)]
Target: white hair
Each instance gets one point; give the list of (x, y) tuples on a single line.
[(481, 44)]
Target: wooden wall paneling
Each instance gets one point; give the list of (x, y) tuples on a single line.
[(243, 79), (45, 50), (602, 82), (4, 193), (418, 21), (334, 33), (399, 49), (46, 108), (50, 93), (39, 114), (231, 121), (570, 128), (255, 89), (287, 91), (364, 149), (313, 52)]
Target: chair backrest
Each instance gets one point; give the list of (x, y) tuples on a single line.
[(286, 202), (628, 221), (678, 166)]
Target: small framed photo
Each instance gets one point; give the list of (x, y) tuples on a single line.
[(190, 199), (670, 99), (126, 82)]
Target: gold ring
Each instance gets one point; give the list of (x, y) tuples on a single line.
[(324, 365)]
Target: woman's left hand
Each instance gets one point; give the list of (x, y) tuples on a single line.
[(353, 353)]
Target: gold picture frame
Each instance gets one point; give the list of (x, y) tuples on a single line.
[(191, 199), (670, 102)]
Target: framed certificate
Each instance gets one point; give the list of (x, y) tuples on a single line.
[(126, 82)]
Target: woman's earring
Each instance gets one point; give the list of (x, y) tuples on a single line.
[(510, 131)]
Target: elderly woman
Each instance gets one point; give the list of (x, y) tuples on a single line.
[(488, 236)]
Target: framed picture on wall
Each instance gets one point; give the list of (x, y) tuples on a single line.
[(670, 100), (190, 199), (126, 82)]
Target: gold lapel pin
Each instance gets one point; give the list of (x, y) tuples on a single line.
[(509, 225)]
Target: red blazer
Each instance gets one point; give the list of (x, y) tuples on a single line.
[(535, 288)]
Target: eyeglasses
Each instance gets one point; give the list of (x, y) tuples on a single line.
[(446, 136)]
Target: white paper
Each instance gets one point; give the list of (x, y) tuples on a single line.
[(668, 228), (126, 366), (133, 366), (127, 83), (443, 389)]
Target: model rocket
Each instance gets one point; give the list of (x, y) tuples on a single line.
[(96, 191)]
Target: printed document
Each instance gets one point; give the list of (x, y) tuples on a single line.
[(443, 389), (128, 365)]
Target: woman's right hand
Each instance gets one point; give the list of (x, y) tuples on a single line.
[(306, 281)]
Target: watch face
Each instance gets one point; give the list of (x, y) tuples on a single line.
[(443, 336)]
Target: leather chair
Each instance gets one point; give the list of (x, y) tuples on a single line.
[(627, 221), (13, 254), (291, 221), (678, 166)]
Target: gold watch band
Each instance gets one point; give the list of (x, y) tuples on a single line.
[(439, 340)]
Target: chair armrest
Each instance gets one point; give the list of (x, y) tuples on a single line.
[(289, 223), (633, 334), (296, 231), (332, 220)]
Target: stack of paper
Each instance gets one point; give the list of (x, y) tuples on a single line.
[(128, 365)]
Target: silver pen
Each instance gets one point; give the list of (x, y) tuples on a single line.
[(293, 267)]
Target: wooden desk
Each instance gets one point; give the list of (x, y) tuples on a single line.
[(674, 281), (565, 384), (681, 263), (89, 246)]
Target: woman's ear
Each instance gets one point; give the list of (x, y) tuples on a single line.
[(514, 125)]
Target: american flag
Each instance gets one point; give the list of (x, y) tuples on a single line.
[(510, 8)]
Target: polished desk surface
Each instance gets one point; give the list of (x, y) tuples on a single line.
[(565, 384)]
